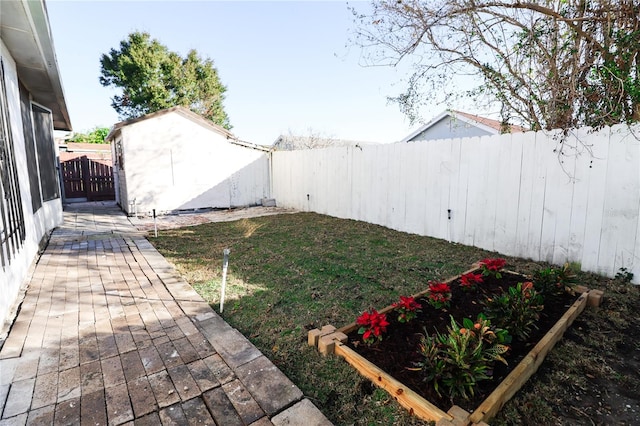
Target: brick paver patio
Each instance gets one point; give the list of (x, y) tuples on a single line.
[(108, 333)]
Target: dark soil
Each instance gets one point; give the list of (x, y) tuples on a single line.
[(397, 353)]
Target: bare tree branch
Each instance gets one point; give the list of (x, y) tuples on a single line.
[(550, 64)]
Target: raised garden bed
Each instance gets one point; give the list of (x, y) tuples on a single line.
[(385, 364)]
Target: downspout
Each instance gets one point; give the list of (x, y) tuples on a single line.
[(115, 171), (270, 195)]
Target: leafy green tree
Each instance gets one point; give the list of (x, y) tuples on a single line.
[(548, 64), (96, 135), (153, 78)]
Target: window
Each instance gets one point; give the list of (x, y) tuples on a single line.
[(43, 132), (12, 232), (119, 157), (30, 148)]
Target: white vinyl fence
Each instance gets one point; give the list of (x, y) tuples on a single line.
[(514, 194)]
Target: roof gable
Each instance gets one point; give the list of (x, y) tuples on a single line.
[(488, 125), (185, 112)]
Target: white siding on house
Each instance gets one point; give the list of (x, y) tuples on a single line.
[(509, 193), (172, 163), (36, 225), (449, 127)]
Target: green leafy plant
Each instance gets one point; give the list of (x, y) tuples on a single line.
[(568, 275), (372, 325), (546, 281), (553, 281), (624, 275), (456, 361), (517, 310), (407, 309)]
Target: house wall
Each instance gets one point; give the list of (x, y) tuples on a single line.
[(514, 193), (450, 127), (37, 224), (171, 163)]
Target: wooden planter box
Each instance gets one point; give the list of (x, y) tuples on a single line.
[(331, 340)]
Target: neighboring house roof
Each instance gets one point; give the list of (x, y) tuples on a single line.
[(24, 29), (83, 147), (292, 142), (100, 152), (190, 115), (488, 122), (484, 124)]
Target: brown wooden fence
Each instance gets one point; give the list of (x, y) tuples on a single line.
[(88, 179)]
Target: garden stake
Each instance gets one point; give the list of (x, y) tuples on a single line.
[(225, 264), (155, 226)]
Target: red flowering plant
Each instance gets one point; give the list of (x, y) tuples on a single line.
[(407, 308), (439, 295), (470, 281), (372, 325), (492, 267)]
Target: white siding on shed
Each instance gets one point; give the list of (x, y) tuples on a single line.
[(169, 162)]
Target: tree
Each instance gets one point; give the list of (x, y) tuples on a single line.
[(549, 64), (153, 78), (311, 140), (96, 135)]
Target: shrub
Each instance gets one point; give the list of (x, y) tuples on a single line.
[(624, 275), (459, 359), (516, 310), (553, 281)]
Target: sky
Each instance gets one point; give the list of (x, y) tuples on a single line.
[(289, 66)]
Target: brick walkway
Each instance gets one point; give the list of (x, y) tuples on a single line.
[(108, 333)]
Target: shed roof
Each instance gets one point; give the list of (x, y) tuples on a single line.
[(190, 115)]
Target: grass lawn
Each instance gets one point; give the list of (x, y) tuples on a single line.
[(291, 273)]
